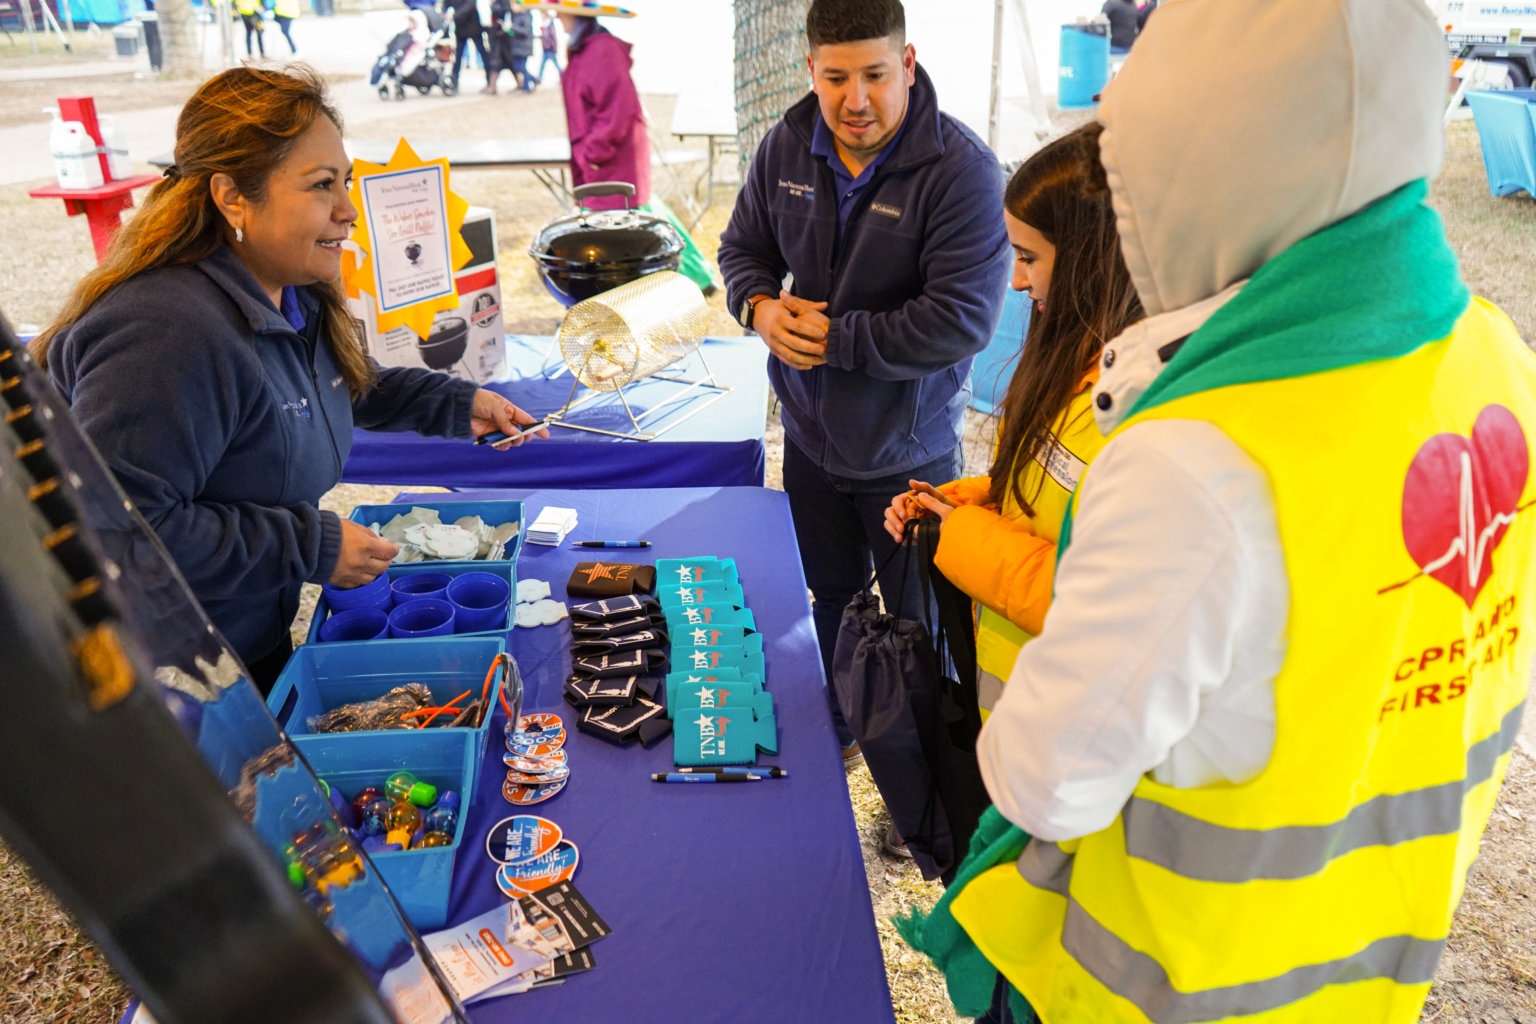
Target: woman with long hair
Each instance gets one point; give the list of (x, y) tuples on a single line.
[(211, 359), (998, 541)]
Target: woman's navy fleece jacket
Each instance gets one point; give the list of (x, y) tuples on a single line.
[(225, 426)]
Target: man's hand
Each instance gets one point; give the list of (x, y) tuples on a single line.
[(794, 330), (491, 413), (364, 554)]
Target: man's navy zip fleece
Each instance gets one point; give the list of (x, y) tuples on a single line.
[(224, 425), (914, 286)]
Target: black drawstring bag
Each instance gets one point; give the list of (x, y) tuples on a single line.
[(908, 691)]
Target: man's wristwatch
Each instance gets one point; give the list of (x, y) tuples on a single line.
[(748, 307)]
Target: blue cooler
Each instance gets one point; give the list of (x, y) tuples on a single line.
[(1084, 67), (994, 365)]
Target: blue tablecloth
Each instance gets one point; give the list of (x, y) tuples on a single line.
[(1506, 129), (720, 446), (745, 904)]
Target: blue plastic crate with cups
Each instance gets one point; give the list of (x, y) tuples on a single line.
[(322, 677), (445, 759), (391, 606), (494, 513)]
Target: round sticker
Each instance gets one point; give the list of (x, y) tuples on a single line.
[(521, 837), (555, 774), (523, 794), (537, 735), (553, 868), (535, 765)]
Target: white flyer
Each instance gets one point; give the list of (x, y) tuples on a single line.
[(475, 956), (407, 216)]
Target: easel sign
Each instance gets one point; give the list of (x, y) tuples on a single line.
[(408, 231)]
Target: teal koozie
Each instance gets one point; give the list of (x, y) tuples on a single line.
[(678, 681), (724, 696), (681, 595), (707, 659), (703, 569), (682, 616), (711, 736), (716, 636)]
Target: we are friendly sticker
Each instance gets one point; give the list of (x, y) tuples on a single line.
[(554, 867), (521, 837), (536, 735)]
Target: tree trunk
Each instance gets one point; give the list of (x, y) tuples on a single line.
[(178, 37), (770, 67)]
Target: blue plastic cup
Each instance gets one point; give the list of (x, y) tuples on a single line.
[(355, 624), (479, 602), (420, 586), (421, 618), (370, 595)]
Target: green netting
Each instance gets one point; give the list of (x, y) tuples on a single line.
[(770, 66)]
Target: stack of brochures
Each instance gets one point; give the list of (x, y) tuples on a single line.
[(551, 526)]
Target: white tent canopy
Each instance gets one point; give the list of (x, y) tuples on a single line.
[(687, 46)]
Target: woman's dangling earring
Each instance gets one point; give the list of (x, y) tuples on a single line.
[(239, 234)]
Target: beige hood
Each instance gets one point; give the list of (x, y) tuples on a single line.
[(1238, 127)]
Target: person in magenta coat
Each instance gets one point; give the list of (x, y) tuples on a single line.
[(602, 108)]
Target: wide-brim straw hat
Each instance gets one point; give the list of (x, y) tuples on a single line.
[(585, 8)]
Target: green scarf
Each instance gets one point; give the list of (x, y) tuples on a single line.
[(1373, 286)]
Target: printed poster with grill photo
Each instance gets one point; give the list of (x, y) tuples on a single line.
[(407, 215), (408, 233)]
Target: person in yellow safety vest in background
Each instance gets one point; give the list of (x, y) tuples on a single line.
[(249, 12), (1242, 772), (284, 12)]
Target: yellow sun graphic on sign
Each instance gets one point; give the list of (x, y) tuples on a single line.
[(358, 274)]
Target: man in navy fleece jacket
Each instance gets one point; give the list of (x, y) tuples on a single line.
[(867, 249)]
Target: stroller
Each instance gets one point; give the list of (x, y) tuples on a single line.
[(421, 56)]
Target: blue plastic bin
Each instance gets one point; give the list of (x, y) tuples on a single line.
[(493, 512), (420, 879), (506, 570), (320, 677), (1084, 69)]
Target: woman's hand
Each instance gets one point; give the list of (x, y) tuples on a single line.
[(491, 413), (922, 499), (364, 554)]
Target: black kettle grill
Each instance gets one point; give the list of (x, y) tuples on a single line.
[(590, 251)]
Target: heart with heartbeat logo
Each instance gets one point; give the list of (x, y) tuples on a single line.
[(1460, 496)]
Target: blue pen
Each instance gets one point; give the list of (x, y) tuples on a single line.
[(613, 543), (705, 777), (766, 771)]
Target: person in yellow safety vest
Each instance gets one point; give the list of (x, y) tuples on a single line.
[(998, 542), (1244, 769), (284, 12), (249, 12)]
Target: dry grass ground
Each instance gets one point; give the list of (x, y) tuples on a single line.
[(49, 973)]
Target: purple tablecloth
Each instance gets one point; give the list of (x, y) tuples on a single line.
[(742, 904)]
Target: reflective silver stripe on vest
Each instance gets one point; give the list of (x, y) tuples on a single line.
[(1141, 980), (1206, 852), (988, 689)]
